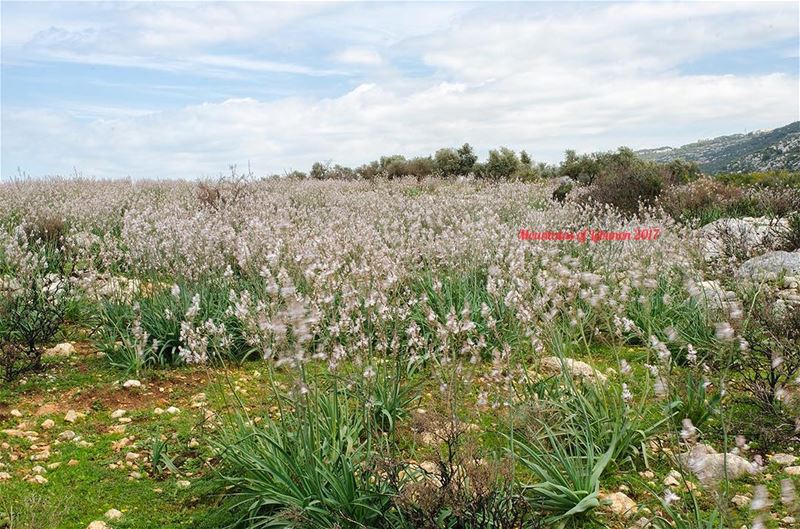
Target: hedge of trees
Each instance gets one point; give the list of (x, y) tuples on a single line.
[(505, 164)]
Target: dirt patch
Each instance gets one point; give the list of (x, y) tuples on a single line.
[(164, 392)]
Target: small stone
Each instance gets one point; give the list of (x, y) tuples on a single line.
[(789, 520), (158, 411), (53, 466), (183, 484), (673, 479), (62, 349), (793, 471), (5, 476), (131, 384), (113, 514), (124, 420), (38, 479), (783, 459), (72, 416), (118, 413), (98, 524), (48, 424), (193, 443), (172, 410), (741, 501), (73, 462), (66, 435), (135, 475), (619, 503), (16, 413), (38, 469), (647, 474), (131, 456)]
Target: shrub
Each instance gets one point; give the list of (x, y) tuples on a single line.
[(32, 312), (791, 239), (626, 191), (771, 362), (561, 192), (705, 199), (500, 165), (447, 163), (766, 179)]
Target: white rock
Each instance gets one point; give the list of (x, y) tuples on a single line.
[(62, 349), (113, 514), (793, 471), (745, 236), (98, 524), (619, 503), (783, 459), (5, 476), (711, 467), (72, 416), (38, 479), (16, 413), (38, 469), (673, 479), (48, 424), (183, 484), (172, 410), (116, 414), (553, 365), (132, 384), (741, 501), (66, 435), (158, 411), (771, 264)]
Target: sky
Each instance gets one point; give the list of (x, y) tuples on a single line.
[(185, 90)]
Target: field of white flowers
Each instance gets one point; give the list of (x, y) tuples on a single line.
[(393, 354)]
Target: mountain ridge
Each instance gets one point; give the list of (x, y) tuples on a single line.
[(762, 150)]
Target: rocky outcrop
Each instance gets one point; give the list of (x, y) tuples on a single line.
[(744, 237), (552, 365), (771, 265)]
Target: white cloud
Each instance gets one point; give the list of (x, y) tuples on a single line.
[(587, 77), (359, 56)]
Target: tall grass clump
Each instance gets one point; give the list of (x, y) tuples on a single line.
[(311, 466)]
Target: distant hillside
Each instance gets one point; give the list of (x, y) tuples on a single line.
[(756, 151)]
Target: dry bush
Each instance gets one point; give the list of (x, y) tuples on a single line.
[(227, 190), (49, 229), (460, 489), (772, 362), (693, 199)]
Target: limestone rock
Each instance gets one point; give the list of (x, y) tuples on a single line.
[(552, 365), (771, 264), (62, 349), (619, 503), (783, 459), (711, 467)]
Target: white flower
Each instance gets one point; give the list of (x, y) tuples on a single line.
[(688, 432), (760, 499), (724, 331), (670, 497), (624, 367), (787, 492), (627, 396), (691, 354)]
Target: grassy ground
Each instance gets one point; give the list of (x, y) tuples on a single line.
[(111, 461)]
